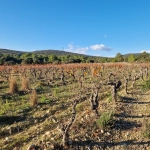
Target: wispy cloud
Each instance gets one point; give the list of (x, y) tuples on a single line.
[(97, 55), (84, 50), (76, 49), (111, 56), (100, 47), (147, 51)]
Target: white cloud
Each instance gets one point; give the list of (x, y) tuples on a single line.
[(97, 55), (84, 50), (147, 51), (76, 49), (100, 47)]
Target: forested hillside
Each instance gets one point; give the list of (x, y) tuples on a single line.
[(10, 57)]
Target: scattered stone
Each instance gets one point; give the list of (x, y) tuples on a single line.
[(108, 133), (54, 120), (47, 119), (6, 138), (48, 111), (102, 131), (52, 138), (39, 106), (127, 135), (48, 143), (10, 129), (36, 121), (44, 116), (47, 133), (140, 115), (87, 117), (76, 139), (20, 111), (92, 115)]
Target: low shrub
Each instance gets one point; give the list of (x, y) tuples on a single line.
[(106, 120), (146, 85)]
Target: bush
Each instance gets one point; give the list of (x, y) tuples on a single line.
[(105, 120), (80, 107)]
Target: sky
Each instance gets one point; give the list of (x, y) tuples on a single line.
[(91, 27)]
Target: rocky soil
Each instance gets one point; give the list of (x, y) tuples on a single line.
[(24, 127)]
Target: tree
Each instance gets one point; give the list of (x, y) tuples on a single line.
[(27, 61), (143, 57), (26, 55), (119, 57), (131, 58), (53, 58)]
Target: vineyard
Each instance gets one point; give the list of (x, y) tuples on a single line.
[(99, 106)]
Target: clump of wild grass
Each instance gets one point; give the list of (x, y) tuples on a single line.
[(79, 107), (33, 98), (13, 87), (24, 83), (146, 85), (106, 120), (146, 128)]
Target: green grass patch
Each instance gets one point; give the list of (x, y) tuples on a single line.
[(146, 128), (146, 85), (106, 120)]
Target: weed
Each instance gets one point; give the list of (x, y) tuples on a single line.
[(105, 120), (4, 107), (55, 91), (79, 107), (42, 99), (110, 99), (146, 85), (146, 128)]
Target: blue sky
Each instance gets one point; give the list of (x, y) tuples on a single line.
[(93, 27)]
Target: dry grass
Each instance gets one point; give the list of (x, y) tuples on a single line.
[(129, 126), (13, 87), (24, 83), (33, 98)]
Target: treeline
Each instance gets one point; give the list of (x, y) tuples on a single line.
[(33, 58)]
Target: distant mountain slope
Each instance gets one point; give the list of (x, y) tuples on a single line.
[(45, 56), (55, 52), (49, 52), (136, 54), (7, 51)]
